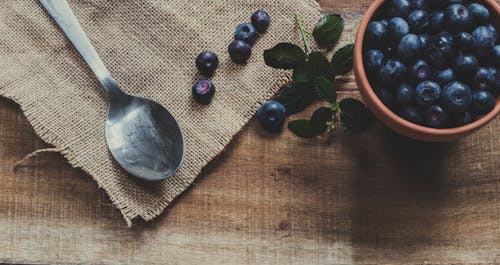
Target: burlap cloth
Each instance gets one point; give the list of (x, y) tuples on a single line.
[(149, 47)]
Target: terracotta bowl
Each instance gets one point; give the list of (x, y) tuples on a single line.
[(392, 120)]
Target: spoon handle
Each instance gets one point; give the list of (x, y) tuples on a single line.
[(61, 12)]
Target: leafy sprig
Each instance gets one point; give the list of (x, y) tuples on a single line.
[(314, 79)]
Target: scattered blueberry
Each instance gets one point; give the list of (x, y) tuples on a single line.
[(420, 71), (484, 78), (464, 42), (411, 114), (397, 28), (203, 91), (393, 72), (261, 21), (456, 97), (465, 66), (240, 51), (374, 61), (439, 50), (404, 94), (480, 13), (436, 117), (207, 62), (444, 77), (418, 21), (462, 119), (436, 21), (246, 32), (399, 8), (427, 93), (376, 34), (271, 115), (457, 18), (482, 102), (410, 47)]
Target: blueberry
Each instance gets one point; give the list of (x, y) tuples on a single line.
[(386, 97), (203, 91), (385, 22), (439, 50), (436, 117), (419, 4), (484, 38), (411, 114), (496, 56), (436, 21), (397, 28), (456, 97), (399, 8), (424, 38), (373, 61), (457, 18), (427, 93), (410, 47), (404, 94), (418, 21), (261, 20), (484, 79), (376, 34), (465, 66), (495, 86), (480, 13), (271, 115), (464, 42), (444, 77), (207, 62), (438, 4), (462, 119), (246, 32), (392, 73), (482, 102), (420, 71), (240, 51)]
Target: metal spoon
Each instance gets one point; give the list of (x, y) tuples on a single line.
[(143, 137)]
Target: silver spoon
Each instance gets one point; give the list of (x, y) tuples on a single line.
[(143, 137)]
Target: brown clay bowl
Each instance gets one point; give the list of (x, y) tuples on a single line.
[(396, 123)]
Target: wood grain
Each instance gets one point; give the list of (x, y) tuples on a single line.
[(268, 199)]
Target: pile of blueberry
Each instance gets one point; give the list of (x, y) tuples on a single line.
[(434, 62), (239, 50)]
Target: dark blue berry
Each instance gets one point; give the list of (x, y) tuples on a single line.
[(440, 50), (424, 38), (436, 117), (464, 42), (420, 71), (484, 79), (457, 18), (385, 22), (495, 86), (271, 115), (436, 21), (392, 73), (480, 13), (484, 38), (418, 21), (404, 94), (207, 62), (456, 97), (240, 51), (399, 8), (496, 56), (261, 20), (482, 102), (203, 91), (465, 66), (427, 93), (438, 4), (376, 34), (411, 114), (462, 119), (397, 28), (419, 4), (410, 47), (246, 32), (373, 61), (386, 97), (444, 77)]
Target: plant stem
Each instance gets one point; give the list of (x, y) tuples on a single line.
[(302, 33)]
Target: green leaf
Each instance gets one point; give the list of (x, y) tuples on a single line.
[(325, 89), (342, 60), (284, 56), (319, 119), (296, 96), (301, 128), (355, 117), (302, 73), (327, 31), (319, 66)]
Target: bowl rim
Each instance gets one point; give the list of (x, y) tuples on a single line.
[(381, 111)]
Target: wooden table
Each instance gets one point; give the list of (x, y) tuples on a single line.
[(377, 198)]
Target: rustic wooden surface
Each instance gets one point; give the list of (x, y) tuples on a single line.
[(268, 199)]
